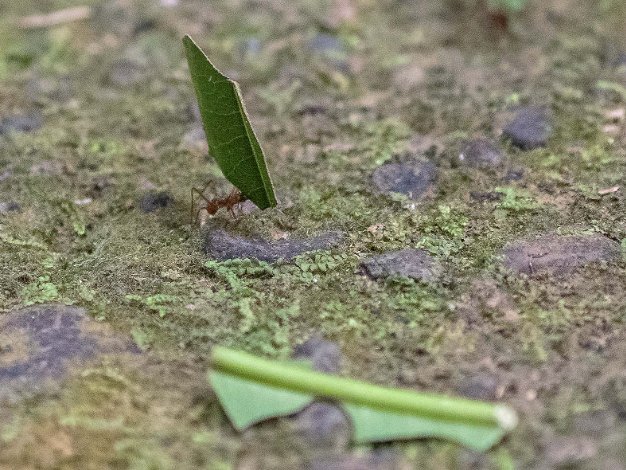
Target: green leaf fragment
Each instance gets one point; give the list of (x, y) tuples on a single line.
[(371, 425), (252, 389), (231, 139), (247, 402)]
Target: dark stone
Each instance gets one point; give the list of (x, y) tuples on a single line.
[(514, 174), (414, 179), (479, 387), (10, 206), (530, 128), (322, 424), (126, 73), (332, 49), (481, 153), (486, 197), (153, 201), (39, 344), (221, 245), (325, 355), (326, 44), (558, 255), (412, 263), (567, 451), (144, 25), (376, 460), (595, 422), (21, 123), (5, 174)]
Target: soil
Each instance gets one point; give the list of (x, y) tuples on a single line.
[(99, 149)]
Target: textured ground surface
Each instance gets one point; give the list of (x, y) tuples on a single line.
[(517, 274)]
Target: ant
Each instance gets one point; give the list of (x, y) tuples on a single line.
[(228, 202)]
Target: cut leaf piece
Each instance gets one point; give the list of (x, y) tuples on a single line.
[(247, 402), (372, 425), (378, 413), (231, 139)]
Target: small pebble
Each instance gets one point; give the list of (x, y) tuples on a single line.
[(514, 174), (486, 196), (412, 263), (372, 460), (530, 128), (325, 355), (153, 201), (413, 179), (326, 44), (479, 387), (10, 206), (21, 123), (481, 153), (566, 451)]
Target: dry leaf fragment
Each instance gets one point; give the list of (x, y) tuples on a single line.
[(611, 190)]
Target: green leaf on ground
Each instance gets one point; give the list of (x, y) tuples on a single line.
[(247, 402), (252, 389), (231, 139)]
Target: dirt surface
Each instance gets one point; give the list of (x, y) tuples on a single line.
[(420, 125)]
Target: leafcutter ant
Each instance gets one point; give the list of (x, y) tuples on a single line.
[(228, 202)]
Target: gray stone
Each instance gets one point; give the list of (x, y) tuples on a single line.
[(558, 255), (153, 201), (530, 128), (565, 451), (514, 174), (325, 355), (414, 179), (481, 153), (322, 424), (126, 73), (480, 387), (412, 263), (21, 123), (595, 422), (490, 196), (326, 44), (376, 460), (40, 344), (222, 245), (9, 206)]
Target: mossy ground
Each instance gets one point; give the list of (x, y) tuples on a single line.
[(402, 75)]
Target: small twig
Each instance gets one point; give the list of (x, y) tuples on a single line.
[(55, 18)]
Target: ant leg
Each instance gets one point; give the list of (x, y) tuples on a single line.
[(193, 219), (198, 214)]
